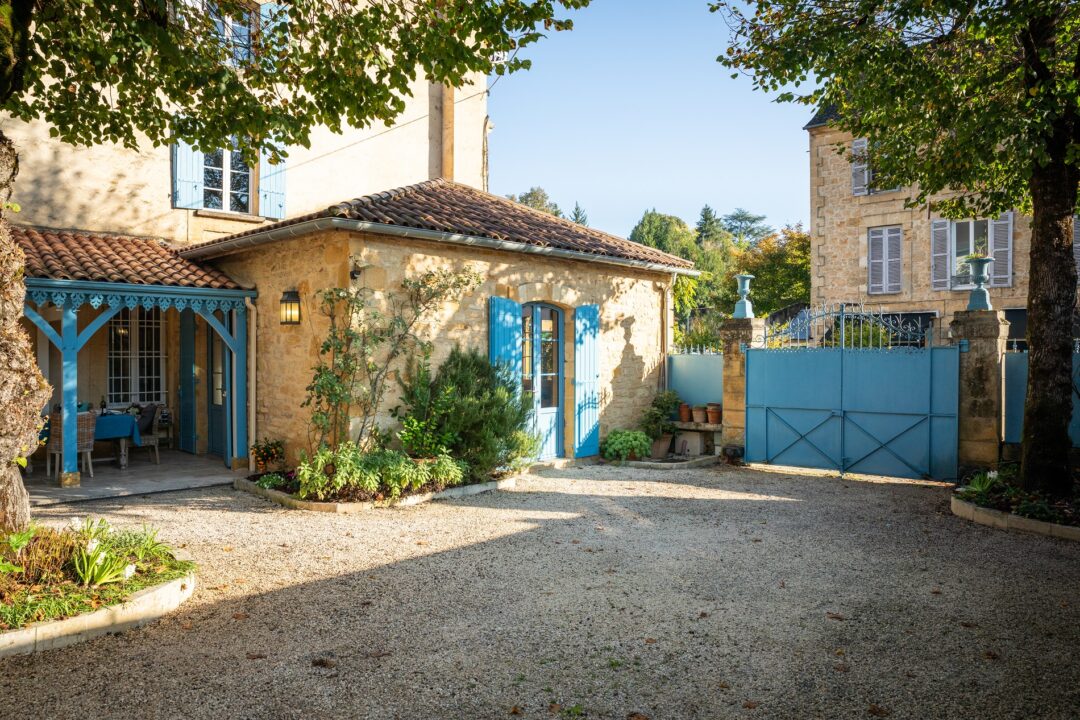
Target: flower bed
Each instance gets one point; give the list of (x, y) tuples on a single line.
[(48, 574), (996, 490)]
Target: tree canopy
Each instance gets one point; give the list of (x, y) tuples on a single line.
[(745, 226), (207, 70), (538, 199)]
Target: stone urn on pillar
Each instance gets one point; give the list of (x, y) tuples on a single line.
[(743, 308), (980, 276)]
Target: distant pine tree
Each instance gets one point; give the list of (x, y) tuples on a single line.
[(579, 215)]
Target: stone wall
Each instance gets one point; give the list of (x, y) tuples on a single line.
[(839, 222), (634, 311)]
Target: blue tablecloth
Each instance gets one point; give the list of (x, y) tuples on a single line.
[(117, 425)]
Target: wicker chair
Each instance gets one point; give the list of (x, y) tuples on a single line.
[(150, 435), (86, 424)]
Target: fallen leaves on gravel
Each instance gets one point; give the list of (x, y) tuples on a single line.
[(554, 708), (966, 624), (240, 616), (637, 716), (227, 548), (991, 655), (515, 710), (256, 656), (834, 616), (324, 662), (750, 704), (703, 615), (878, 711), (185, 625), (935, 591), (841, 667), (650, 641)]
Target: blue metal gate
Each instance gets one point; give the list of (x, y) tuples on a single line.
[(854, 392)]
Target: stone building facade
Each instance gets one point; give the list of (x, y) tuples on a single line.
[(867, 247)]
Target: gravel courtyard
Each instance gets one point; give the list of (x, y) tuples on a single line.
[(594, 592)]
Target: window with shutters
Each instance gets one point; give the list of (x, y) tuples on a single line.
[(862, 173), (885, 263), (981, 237), (221, 180)]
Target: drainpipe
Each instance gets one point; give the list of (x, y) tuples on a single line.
[(253, 334)]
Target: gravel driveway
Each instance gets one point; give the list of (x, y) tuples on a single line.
[(594, 592)]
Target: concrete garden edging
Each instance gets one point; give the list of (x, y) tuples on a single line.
[(146, 606), (1008, 521), (703, 461), (294, 503)]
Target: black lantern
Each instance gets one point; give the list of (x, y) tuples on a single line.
[(290, 307)]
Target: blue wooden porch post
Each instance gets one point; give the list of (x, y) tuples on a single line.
[(240, 415), (228, 361), (69, 352)]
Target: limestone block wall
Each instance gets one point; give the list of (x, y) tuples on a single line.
[(633, 311), (839, 222), (111, 188)]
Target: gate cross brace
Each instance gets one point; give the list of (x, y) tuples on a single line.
[(802, 436), (885, 445)]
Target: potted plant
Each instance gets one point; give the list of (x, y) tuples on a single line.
[(701, 414), (656, 422), (684, 412), (714, 413), (623, 445), (268, 453)]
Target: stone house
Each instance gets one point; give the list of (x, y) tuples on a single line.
[(867, 247), (158, 275)]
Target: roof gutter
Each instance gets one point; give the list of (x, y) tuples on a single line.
[(306, 227)]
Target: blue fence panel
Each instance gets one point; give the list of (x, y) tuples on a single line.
[(1016, 374), (698, 379)]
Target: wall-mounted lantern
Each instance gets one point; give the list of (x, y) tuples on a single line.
[(290, 307)]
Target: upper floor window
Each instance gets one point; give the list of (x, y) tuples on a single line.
[(952, 242), (222, 180), (862, 173), (235, 30), (226, 181)]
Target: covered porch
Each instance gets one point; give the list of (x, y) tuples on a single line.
[(128, 333)]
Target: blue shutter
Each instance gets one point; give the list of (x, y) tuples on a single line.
[(586, 380), (271, 187), (187, 176), (504, 334), (271, 17)]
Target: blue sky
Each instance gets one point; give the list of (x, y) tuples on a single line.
[(630, 111)]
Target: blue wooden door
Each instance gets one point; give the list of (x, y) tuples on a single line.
[(217, 391), (187, 381), (586, 380), (542, 374)]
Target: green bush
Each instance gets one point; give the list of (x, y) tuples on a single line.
[(388, 473), (621, 444), (421, 434), (270, 481), (477, 410), (656, 420)]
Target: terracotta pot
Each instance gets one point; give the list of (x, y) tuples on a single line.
[(714, 416), (684, 412), (660, 447), (700, 414)]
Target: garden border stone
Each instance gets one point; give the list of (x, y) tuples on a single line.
[(146, 606), (1008, 521), (294, 503)]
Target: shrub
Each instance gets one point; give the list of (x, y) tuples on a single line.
[(421, 435), (271, 481), (477, 410), (390, 473), (621, 444), (656, 420), (447, 471), (44, 557)]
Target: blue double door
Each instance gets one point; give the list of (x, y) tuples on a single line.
[(542, 373)]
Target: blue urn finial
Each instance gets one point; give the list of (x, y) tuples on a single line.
[(743, 308)]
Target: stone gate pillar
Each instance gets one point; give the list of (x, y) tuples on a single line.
[(982, 385), (735, 334)]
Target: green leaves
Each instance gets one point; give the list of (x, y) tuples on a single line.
[(110, 71)]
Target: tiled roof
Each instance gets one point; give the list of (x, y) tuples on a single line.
[(103, 257), (449, 207), (823, 116)]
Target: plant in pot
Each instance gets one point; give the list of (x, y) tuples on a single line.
[(714, 413), (684, 412), (623, 445), (657, 424), (701, 414)]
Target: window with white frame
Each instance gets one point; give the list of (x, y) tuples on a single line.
[(136, 358), (226, 181), (884, 259), (954, 241), (235, 29)]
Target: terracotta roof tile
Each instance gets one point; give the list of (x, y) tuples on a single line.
[(104, 257), (449, 207)]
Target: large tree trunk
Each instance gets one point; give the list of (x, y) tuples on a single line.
[(23, 392), (1051, 303)]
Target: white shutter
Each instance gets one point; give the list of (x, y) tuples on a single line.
[(939, 255), (860, 169), (893, 264), (1076, 246), (876, 261), (1001, 236)]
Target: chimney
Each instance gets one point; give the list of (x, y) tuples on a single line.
[(447, 166)]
